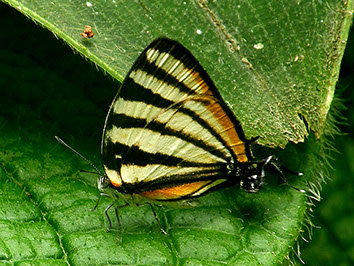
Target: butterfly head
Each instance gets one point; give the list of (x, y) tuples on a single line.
[(252, 175), (103, 182)]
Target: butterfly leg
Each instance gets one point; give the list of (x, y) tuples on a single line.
[(272, 162), (109, 219), (157, 220), (120, 229), (116, 213), (279, 168), (98, 201), (106, 210)]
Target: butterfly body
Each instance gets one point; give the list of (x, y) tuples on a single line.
[(169, 135)]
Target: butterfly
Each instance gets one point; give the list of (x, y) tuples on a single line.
[(169, 136)]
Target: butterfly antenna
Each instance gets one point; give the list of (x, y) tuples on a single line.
[(77, 153), (89, 172)]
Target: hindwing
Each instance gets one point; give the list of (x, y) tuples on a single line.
[(168, 133)]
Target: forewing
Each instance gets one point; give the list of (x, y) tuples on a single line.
[(169, 125)]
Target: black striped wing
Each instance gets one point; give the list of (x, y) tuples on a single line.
[(168, 134)]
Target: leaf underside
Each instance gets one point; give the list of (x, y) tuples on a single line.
[(276, 62)]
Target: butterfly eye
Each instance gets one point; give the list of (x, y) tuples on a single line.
[(103, 182)]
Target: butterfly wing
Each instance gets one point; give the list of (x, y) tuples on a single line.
[(168, 133)]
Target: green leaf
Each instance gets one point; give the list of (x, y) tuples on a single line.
[(286, 64), (276, 63)]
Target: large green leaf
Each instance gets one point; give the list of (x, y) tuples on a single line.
[(271, 62), (275, 62)]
